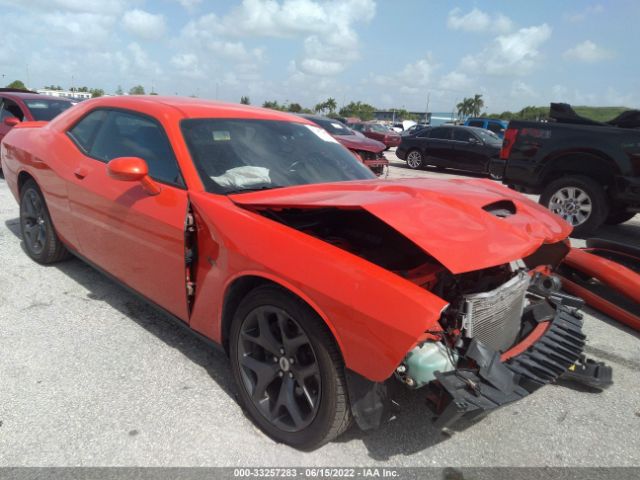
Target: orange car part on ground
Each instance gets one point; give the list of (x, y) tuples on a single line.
[(623, 280)]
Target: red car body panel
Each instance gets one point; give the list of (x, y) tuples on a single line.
[(621, 279), (139, 239), (390, 139), (414, 205)]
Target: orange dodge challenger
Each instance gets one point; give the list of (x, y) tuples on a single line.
[(324, 284)]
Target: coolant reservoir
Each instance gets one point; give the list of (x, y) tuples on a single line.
[(425, 360)]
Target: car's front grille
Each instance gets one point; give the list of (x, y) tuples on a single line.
[(495, 317)]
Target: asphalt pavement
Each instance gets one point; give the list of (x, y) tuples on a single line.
[(90, 375)]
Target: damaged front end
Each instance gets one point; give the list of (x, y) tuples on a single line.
[(499, 345), (507, 332)]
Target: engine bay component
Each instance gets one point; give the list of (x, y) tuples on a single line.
[(422, 363), (493, 317), (488, 383)]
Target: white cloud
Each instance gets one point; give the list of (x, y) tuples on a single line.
[(144, 24), (587, 12), (189, 4), (412, 79), (78, 6), (478, 21), (513, 54), (588, 52), (330, 42), (522, 91), (455, 82)]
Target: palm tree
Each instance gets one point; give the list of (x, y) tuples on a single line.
[(477, 104)]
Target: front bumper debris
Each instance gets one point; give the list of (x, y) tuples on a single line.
[(491, 383)]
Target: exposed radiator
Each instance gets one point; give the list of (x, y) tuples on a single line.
[(495, 317)]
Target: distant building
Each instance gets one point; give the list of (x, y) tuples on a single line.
[(390, 116), (65, 94)]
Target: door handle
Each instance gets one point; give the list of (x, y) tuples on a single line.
[(80, 172)]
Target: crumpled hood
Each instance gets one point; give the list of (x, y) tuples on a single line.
[(355, 142), (443, 217)]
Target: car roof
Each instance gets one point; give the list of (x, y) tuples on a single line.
[(189, 107), (23, 95)]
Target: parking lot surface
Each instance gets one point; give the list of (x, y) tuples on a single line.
[(90, 375)]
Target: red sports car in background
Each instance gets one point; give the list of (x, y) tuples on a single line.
[(370, 151), (378, 132), (323, 284), (17, 106)]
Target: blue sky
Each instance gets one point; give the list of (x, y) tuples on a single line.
[(388, 53)]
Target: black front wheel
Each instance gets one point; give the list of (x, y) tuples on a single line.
[(288, 369), (41, 241)]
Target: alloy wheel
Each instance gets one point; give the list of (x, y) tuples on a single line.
[(279, 368), (414, 159), (572, 204), (33, 220)]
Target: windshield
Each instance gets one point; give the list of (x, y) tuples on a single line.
[(236, 155), (488, 136), (45, 110), (379, 128), (334, 127)]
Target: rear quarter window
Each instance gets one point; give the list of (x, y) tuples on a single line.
[(84, 132)]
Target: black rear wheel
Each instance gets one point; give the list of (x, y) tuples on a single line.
[(289, 371), (41, 241)]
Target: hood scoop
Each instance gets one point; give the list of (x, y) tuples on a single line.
[(501, 208)]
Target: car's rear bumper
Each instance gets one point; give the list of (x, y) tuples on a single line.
[(471, 392)]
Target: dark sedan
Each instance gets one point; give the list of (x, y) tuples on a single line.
[(462, 148), (377, 132)]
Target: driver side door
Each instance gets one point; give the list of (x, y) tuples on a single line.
[(136, 237)]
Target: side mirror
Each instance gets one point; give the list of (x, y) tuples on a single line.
[(132, 169), (11, 121)]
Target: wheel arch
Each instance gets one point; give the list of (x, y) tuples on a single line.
[(594, 165), (239, 287), (24, 177)]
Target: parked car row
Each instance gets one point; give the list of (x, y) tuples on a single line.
[(367, 150)]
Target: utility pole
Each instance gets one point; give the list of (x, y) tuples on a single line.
[(426, 112)]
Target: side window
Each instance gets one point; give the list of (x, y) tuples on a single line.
[(131, 135), (357, 126), (476, 123), (85, 130), (11, 109), (462, 135), (440, 134), (495, 128), (424, 133)]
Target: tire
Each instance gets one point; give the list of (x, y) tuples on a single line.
[(618, 216), (415, 159), (579, 200), (304, 402), (41, 242)]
